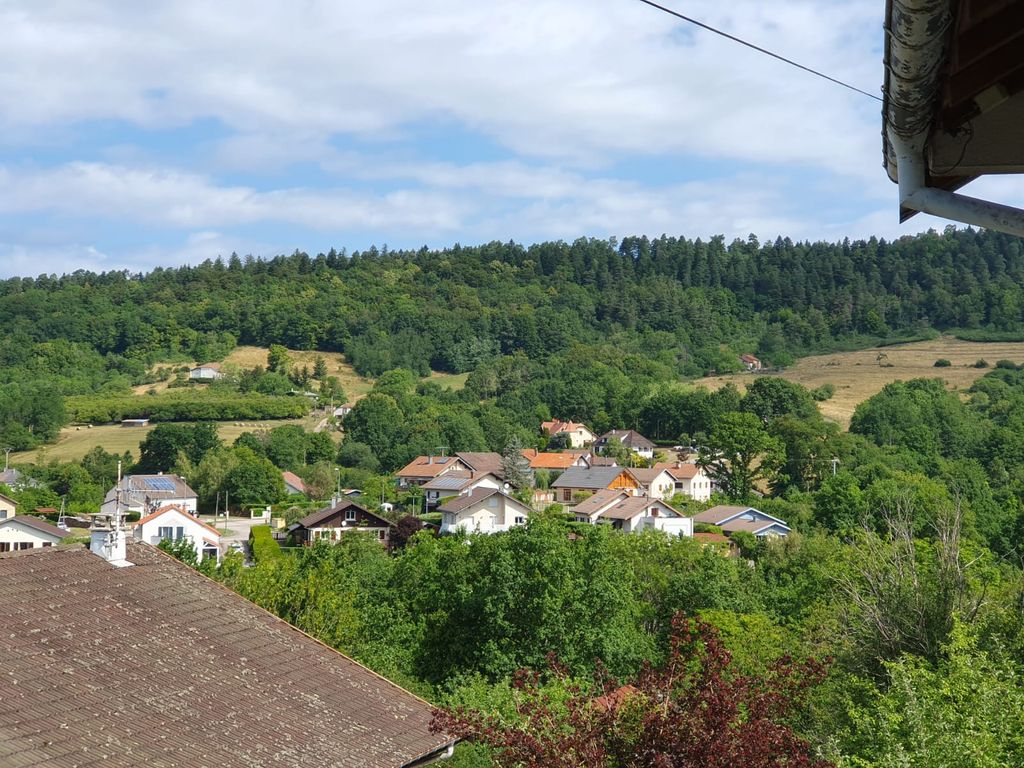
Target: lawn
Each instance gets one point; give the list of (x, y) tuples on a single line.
[(861, 374)]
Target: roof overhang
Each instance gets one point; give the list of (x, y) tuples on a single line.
[(953, 105)]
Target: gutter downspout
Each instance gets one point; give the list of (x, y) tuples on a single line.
[(917, 33), (916, 195)]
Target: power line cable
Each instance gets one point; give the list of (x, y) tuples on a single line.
[(759, 49)]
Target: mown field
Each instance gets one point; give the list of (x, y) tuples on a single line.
[(861, 374), (75, 442)]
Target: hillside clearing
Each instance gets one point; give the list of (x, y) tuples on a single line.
[(861, 374)]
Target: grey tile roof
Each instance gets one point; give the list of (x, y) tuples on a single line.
[(583, 477), (157, 665)]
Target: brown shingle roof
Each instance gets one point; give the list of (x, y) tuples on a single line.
[(483, 461), (716, 515), (313, 519), (427, 466), (460, 503), (598, 501), (157, 665)]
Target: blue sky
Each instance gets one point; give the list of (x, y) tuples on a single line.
[(161, 133)]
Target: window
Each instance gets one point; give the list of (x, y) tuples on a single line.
[(5, 546), (382, 534), (567, 494), (350, 515), (520, 520), (47, 544), (3, 514), (165, 532), (179, 533), (23, 545)]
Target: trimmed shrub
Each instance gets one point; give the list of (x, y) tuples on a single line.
[(262, 544), (942, 363)]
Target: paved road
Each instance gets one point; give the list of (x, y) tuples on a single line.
[(238, 527)]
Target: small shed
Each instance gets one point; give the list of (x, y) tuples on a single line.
[(134, 422)]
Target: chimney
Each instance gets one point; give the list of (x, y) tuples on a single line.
[(430, 459), (107, 540)]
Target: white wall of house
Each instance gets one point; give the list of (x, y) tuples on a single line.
[(663, 486), (673, 526), (16, 535), (174, 525), (7, 508), (491, 515), (699, 487)]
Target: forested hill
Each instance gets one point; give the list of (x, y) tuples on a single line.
[(672, 299)]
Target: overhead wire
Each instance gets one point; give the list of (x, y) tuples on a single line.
[(759, 49)]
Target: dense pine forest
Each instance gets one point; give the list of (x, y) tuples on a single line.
[(887, 630)]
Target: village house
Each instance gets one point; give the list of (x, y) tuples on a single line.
[(458, 483), (425, 468), (690, 479), (17, 480), (8, 507), (153, 664), (718, 542), (205, 372), (147, 493), (27, 532), (628, 438), (342, 411), (632, 513), (344, 516), (655, 483), (577, 435), (174, 523), (588, 480), (422, 469), (485, 510), (293, 484), (750, 363), (738, 518)]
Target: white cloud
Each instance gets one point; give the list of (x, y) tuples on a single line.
[(568, 79)]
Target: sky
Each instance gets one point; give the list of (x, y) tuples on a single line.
[(136, 135)]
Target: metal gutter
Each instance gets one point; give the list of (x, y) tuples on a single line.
[(917, 38)]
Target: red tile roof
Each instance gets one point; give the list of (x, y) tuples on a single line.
[(550, 460), (157, 665)]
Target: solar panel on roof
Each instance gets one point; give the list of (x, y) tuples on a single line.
[(159, 483)]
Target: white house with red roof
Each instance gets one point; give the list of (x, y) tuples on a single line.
[(174, 522), (690, 479), (578, 435)]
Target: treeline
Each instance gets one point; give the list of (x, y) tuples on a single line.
[(184, 406), (673, 299)]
